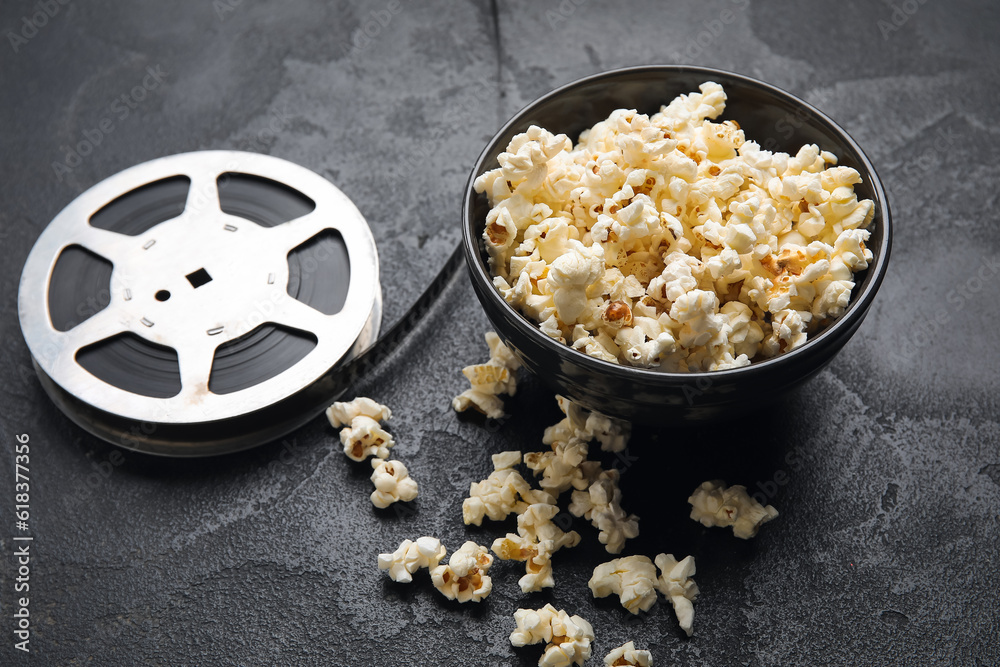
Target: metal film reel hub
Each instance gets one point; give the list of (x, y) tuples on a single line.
[(238, 282)]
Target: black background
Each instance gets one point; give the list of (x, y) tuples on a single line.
[(885, 467)]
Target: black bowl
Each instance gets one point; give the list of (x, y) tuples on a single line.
[(771, 117)]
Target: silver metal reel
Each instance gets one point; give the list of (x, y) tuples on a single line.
[(197, 283)]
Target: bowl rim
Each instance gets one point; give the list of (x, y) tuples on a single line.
[(856, 309)]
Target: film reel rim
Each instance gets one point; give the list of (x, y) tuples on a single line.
[(49, 347), (191, 440)]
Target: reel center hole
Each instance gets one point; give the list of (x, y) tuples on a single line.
[(162, 295), (198, 278)]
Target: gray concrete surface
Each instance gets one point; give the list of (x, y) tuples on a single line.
[(886, 467)]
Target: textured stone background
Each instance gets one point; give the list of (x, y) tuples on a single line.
[(886, 548)]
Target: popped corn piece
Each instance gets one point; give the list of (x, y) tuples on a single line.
[(532, 626), (535, 523), (745, 335), (723, 264), (490, 405), (679, 276), (833, 299), (601, 504), (411, 556), (613, 434), (676, 584), (499, 353), (392, 483), (569, 277), (632, 578), (713, 504), (587, 425), (364, 438), (698, 312), (507, 459), (789, 330), (560, 469), (565, 653), (489, 380), (534, 497), (615, 527), (667, 219), (360, 432), (567, 638), (536, 556), (503, 492), (537, 539), (342, 414), (465, 576), (627, 655)]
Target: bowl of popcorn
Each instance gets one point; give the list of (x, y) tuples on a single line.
[(674, 242)]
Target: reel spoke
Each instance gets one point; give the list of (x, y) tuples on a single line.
[(296, 232), (195, 361), (108, 245), (203, 197), (297, 315), (102, 325)]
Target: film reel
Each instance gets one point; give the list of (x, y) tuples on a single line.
[(200, 303)]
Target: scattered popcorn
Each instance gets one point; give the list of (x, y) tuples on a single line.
[(613, 434), (342, 414), (464, 578), (507, 459), (537, 539), (392, 483), (537, 558), (715, 505), (676, 584), (601, 505), (632, 578), (567, 637), (562, 468), (504, 492), (631, 245), (566, 466), (489, 380), (411, 556), (627, 655), (364, 438), (535, 523), (584, 425), (360, 432), (596, 495)]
